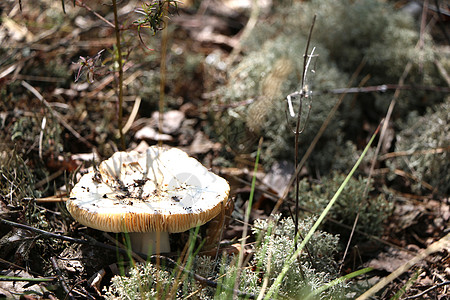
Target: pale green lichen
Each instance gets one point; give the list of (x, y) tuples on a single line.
[(425, 141), (346, 34), (274, 246), (140, 284), (314, 267), (249, 81), (373, 210)]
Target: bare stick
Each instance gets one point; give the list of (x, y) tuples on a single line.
[(384, 88), (48, 234), (82, 4), (409, 153), (363, 198), (162, 80), (251, 23), (297, 130), (27, 279), (61, 278), (314, 142), (428, 290)]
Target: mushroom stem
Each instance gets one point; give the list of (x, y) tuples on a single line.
[(147, 241)]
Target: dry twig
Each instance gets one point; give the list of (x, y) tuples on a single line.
[(61, 278)]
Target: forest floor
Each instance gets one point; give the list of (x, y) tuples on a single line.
[(53, 128)]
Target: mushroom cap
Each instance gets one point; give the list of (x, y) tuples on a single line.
[(162, 189)]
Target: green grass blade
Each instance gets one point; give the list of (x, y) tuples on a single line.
[(290, 261), (235, 277), (337, 281)]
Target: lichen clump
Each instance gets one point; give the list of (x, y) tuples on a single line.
[(272, 250), (314, 267), (347, 34), (373, 210), (422, 145)]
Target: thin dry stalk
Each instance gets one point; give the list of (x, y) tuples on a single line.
[(306, 60), (120, 68), (163, 71), (409, 153), (314, 142)]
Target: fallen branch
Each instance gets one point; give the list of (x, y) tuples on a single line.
[(47, 234), (410, 153)]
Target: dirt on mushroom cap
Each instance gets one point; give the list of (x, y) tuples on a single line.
[(160, 190)]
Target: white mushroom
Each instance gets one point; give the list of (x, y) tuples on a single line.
[(148, 195)]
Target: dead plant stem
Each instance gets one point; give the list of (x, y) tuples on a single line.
[(315, 140), (251, 23), (61, 279), (363, 198), (82, 4), (443, 243), (298, 131), (163, 71), (410, 153), (120, 69), (247, 218)]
